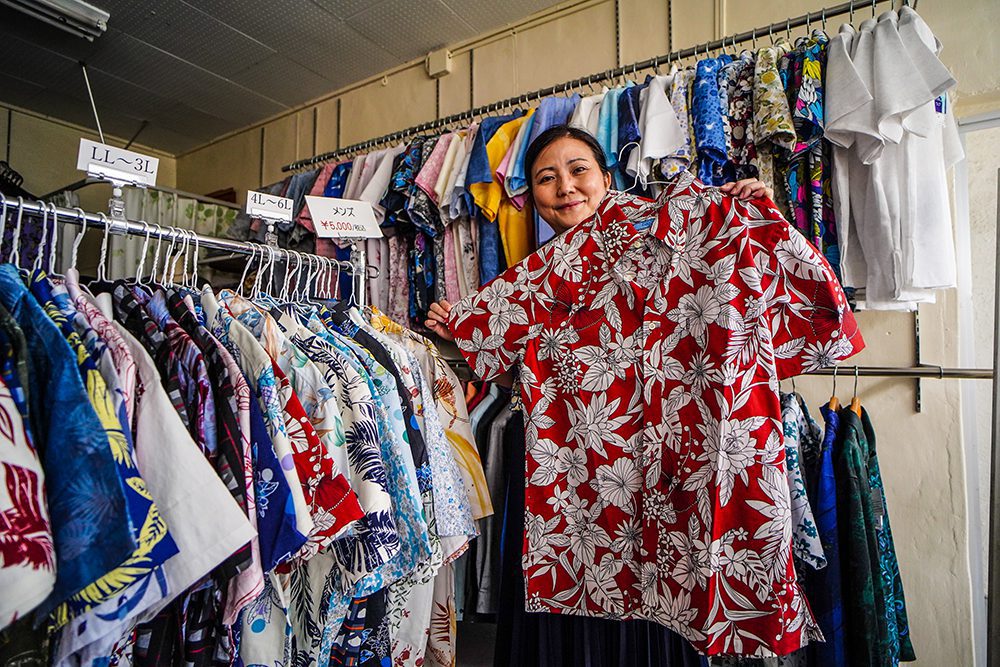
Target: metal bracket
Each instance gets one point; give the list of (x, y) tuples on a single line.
[(916, 344)]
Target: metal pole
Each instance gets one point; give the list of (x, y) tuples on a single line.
[(993, 557), (93, 105)]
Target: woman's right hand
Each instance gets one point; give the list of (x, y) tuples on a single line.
[(437, 319)]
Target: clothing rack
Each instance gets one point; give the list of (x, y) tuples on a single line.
[(356, 267), (608, 75)]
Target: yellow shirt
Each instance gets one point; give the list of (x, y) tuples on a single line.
[(515, 226)]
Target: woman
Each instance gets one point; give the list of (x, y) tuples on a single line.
[(569, 179)]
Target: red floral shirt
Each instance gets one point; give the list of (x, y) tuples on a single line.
[(649, 366)]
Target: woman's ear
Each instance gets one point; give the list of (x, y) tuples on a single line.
[(607, 180)]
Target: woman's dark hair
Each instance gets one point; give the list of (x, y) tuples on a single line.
[(555, 132)]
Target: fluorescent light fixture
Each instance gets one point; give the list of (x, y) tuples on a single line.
[(74, 16)]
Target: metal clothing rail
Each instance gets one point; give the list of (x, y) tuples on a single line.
[(357, 267), (607, 75)]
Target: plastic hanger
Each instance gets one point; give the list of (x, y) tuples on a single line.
[(37, 264), (834, 403), (855, 401), (55, 239), (246, 268), (15, 240), (142, 258), (79, 237)]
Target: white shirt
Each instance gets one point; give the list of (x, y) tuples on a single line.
[(661, 131)]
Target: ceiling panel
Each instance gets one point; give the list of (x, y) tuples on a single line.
[(187, 33), (198, 69), (284, 80), (411, 29), (165, 75)]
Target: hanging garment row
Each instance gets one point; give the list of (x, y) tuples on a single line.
[(200, 478), (831, 123)]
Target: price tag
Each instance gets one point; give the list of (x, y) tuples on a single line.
[(343, 218), (269, 207), (120, 166)]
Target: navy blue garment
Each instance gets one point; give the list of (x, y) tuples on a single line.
[(335, 188), (279, 540), (90, 522)]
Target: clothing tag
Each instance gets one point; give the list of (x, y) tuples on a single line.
[(878, 508), (941, 104), (120, 166), (343, 218), (269, 207)]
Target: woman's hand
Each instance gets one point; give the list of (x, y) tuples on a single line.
[(437, 319), (748, 188)]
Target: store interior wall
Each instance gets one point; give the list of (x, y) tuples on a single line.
[(922, 454), (43, 150)]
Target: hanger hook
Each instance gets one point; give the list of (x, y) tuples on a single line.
[(874, 2), (55, 238), (857, 372), (156, 253), (79, 237), (40, 254), (835, 369), (194, 269), (823, 18), (788, 28), (246, 268), (102, 267), (15, 241), (142, 258)]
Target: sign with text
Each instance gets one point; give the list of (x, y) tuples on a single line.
[(118, 165), (269, 207), (343, 218)]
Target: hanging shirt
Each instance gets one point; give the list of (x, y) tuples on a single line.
[(661, 132), (773, 127), (898, 645), (154, 545), (707, 115), (452, 411), (515, 180), (27, 554), (806, 544), (682, 156), (626, 340), (737, 76), (80, 471), (864, 595)]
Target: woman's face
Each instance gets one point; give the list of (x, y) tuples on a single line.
[(567, 185)]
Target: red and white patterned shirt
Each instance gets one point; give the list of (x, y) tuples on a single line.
[(649, 366)]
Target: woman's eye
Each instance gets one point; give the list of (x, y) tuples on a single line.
[(544, 179), (579, 170)]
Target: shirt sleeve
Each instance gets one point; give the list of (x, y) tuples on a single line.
[(812, 325), (492, 326)]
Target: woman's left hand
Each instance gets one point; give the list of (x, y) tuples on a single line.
[(748, 188)]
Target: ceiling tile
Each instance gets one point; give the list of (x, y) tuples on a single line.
[(187, 33), (303, 32), (411, 29), (486, 15), (166, 76), (17, 92), (35, 64), (284, 80), (343, 9), (18, 25)]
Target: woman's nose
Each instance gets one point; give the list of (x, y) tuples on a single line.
[(565, 186)]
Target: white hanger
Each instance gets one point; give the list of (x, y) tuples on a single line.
[(156, 254), (37, 264), (142, 259), (79, 237), (55, 238), (15, 241)]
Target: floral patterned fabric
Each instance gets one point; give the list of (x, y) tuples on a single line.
[(806, 545), (27, 554), (737, 77), (656, 479), (773, 126)]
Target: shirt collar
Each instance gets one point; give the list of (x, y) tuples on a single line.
[(617, 214)]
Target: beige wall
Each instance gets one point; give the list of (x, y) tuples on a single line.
[(922, 453), (44, 150)]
